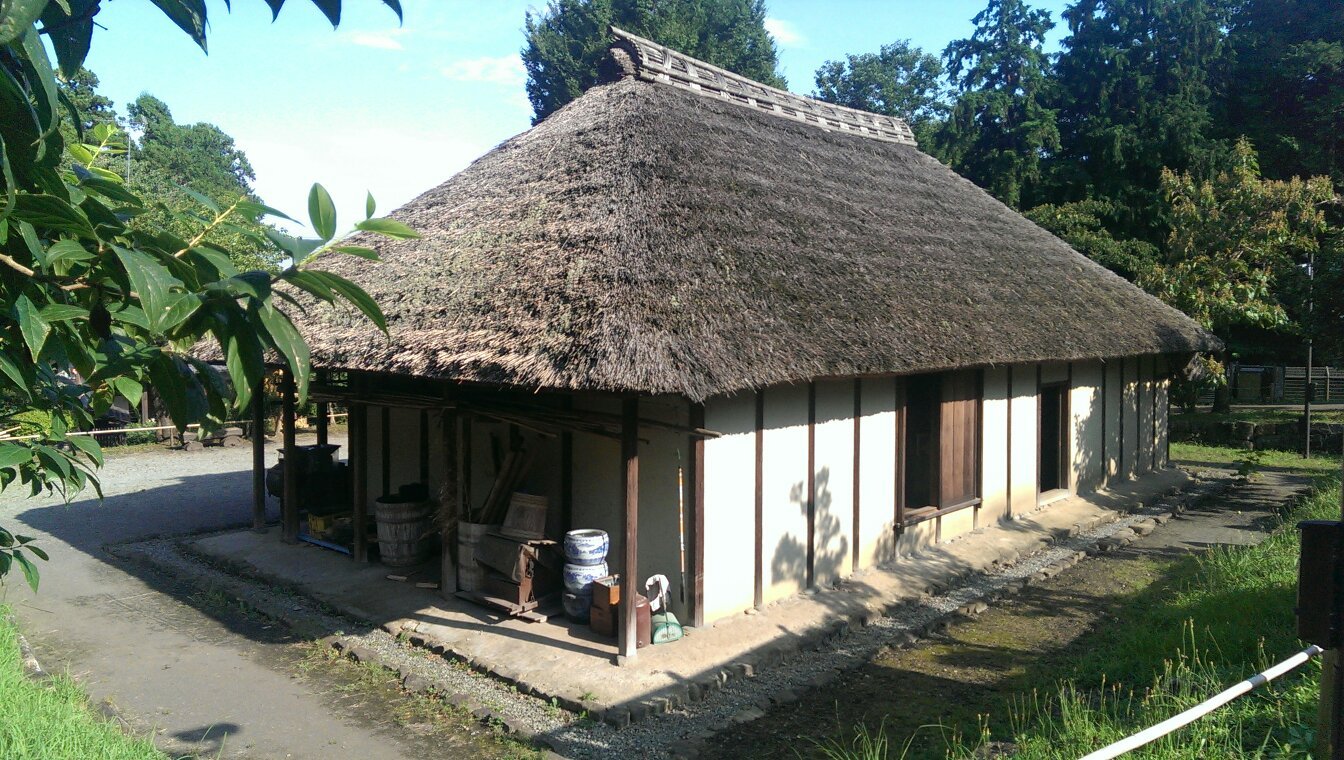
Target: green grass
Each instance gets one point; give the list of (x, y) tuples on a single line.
[(52, 720), (1197, 453), (1229, 616)]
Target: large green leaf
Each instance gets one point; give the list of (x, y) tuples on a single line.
[(286, 340), (14, 454), (89, 446), (151, 282), (189, 15), (15, 375), (355, 295), (129, 388), (51, 213), (388, 228), (180, 307), (29, 572), (322, 209), (175, 384), (60, 312), (70, 33), (31, 324), (331, 9), (18, 17)]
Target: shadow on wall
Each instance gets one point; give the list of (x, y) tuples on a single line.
[(789, 562)]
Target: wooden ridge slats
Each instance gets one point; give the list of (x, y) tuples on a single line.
[(657, 63)]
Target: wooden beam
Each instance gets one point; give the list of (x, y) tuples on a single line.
[(697, 479), (811, 577), (448, 515), (424, 447), (385, 447), (758, 582), (259, 458), (358, 423), (464, 512), (858, 424), (629, 528), (289, 505), (323, 414), (567, 473)]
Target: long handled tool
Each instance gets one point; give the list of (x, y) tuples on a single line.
[(681, 526)]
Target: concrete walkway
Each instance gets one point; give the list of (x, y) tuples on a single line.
[(202, 684), (565, 662)]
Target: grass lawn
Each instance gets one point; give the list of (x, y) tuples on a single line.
[(1198, 454), (53, 720), (1227, 616)]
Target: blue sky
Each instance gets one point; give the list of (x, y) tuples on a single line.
[(397, 109)]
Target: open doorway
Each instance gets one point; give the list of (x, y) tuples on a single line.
[(1054, 437)]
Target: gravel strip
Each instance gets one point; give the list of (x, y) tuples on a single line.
[(683, 727)]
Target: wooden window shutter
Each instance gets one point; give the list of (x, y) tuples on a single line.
[(958, 445)]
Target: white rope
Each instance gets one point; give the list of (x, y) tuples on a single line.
[(1203, 708)]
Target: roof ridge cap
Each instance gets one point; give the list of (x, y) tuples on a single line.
[(658, 63)]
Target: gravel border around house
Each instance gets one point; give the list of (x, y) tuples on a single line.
[(677, 724)]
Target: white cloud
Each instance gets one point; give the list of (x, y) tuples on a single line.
[(506, 69), (784, 32), (381, 40)]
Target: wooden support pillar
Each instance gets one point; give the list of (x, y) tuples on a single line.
[(464, 468), (630, 528), (259, 458), (323, 415), (424, 447), (289, 506), (448, 501), (697, 527), (358, 424)]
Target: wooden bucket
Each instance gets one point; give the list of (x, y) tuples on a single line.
[(470, 575), (404, 530)]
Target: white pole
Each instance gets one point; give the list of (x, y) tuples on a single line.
[(1203, 708)]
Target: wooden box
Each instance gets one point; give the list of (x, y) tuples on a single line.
[(603, 619), (607, 592)]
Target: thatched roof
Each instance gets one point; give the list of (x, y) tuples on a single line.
[(652, 238)]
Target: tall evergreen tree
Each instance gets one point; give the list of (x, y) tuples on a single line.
[(567, 41), (1134, 98), (899, 80), (999, 126), (1285, 89)]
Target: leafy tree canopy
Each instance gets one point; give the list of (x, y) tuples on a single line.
[(899, 80), (567, 42), (95, 306), (1133, 92), (1000, 127)]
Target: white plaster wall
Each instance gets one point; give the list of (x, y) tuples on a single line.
[(598, 501), (956, 524), (877, 476), (1054, 372), (660, 533), (1147, 421), (833, 538), (994, 446), (784, 514), (1130, 458), (730, 506), (1085, 407), (1114, 403), (373, 421), (1023, 465), (404, 430)]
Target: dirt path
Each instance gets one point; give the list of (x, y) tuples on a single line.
[(204, 678), (944, 683)]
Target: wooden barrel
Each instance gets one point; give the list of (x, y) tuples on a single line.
[(470, 575), (404, 531)]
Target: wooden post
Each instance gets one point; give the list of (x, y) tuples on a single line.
[(259, 458), (289, 505), (448, 514), (323, 415), (630, 528), (357, 422), (697, 591)]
